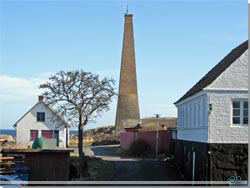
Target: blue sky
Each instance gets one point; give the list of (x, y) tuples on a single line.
[(176, 42)]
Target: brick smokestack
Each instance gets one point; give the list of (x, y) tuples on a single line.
[(127, 113)]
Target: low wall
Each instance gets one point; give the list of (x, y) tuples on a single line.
[(184, 152), (164, 137), (229, 160), (214, 161)]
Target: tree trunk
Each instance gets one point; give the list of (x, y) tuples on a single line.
[(80, 145)]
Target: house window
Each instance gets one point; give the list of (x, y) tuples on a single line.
[(40, 116), (190, 115), (194, 114), (33, 135), (245, 112), (179, 119), (47, 133), (183, 121), (240, 112), (199, 113), (204, 113)]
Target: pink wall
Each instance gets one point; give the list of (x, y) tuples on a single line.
[(150, 137), (126, 139)]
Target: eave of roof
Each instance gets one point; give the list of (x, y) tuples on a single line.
[(216, 71)]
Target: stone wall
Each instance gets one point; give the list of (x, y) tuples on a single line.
[(228, 160), (183, 156), (216, 162)]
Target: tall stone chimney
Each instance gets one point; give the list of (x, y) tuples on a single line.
[(127, 113)]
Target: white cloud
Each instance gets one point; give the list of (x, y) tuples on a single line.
[(18, 88)]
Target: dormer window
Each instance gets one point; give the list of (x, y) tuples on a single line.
[(40, 116)]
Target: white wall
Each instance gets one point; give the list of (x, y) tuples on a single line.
[(235, 76), (221, 127), (193, 118), (29, 122), (197, 135), (230, 85)]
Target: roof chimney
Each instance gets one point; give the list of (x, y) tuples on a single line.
[(40, 98)]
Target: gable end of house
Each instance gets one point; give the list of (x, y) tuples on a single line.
[(215, 72)]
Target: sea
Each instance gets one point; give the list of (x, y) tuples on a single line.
[(12, 132)]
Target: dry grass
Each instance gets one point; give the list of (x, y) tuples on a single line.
[(90, 169), (12, 145), (73, 142)]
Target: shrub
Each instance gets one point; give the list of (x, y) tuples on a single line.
[(140, 148)]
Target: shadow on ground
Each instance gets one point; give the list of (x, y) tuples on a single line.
[(136, 169)]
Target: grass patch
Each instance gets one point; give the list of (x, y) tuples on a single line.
[(90, 169)]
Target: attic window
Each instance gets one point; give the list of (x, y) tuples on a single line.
[(240, 112), (40, 116)]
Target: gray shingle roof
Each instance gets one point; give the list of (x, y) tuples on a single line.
[(216, 71)]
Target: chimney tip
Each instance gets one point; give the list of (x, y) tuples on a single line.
[(128, 15), (40, 98)]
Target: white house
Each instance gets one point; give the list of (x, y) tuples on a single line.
[(212, 137), (41, 121)]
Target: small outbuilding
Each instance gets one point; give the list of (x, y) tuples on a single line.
[(43, 164)]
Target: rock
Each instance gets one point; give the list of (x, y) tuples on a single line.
[(217, 174), (228, 173), (9, 138), (227, 165)]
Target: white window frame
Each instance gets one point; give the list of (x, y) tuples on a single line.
[(241, 112)]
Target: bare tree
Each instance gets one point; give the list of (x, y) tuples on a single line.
[(79, 97)]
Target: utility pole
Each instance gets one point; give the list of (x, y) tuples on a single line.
[(157, 116)]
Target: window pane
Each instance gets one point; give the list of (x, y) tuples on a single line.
[(245, 112), (41, 116), (245, 104), (236, 104), (236, 112), (33, 134), (245, 120), (47, 133), (236, 120)]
